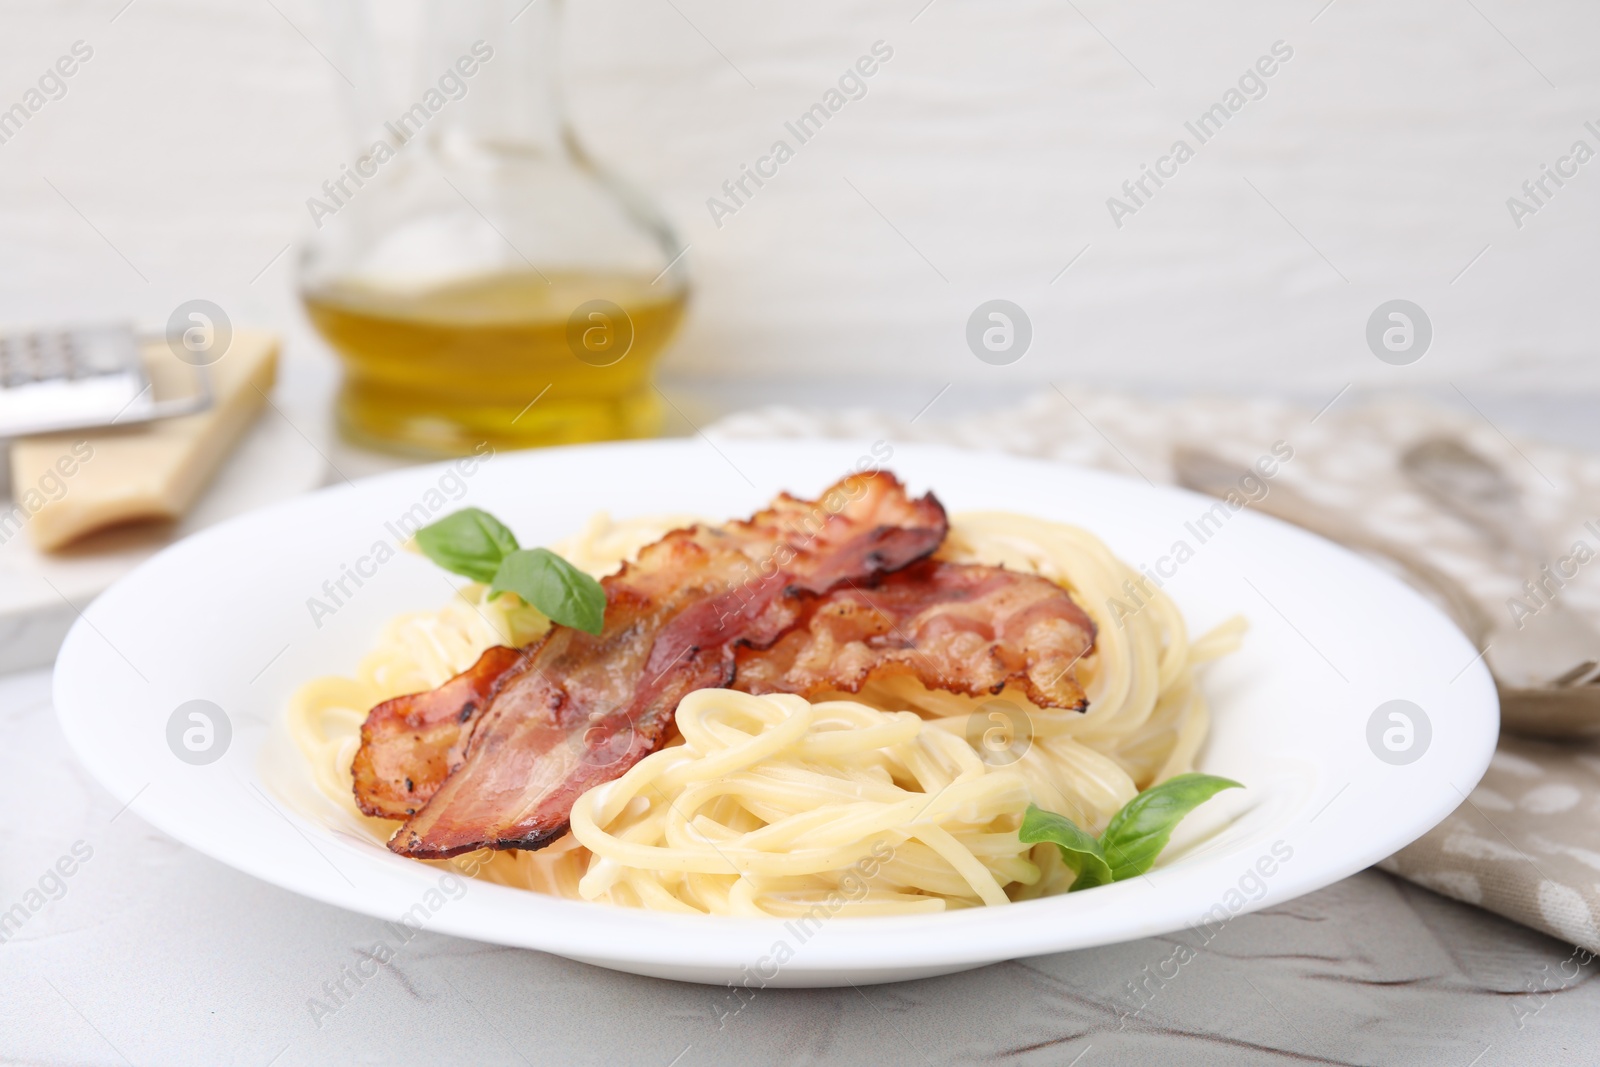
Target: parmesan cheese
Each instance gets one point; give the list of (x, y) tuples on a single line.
[(154, 471)]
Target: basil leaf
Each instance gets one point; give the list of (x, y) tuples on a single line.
[(1078, 847), (554, 586), (468, 542), (1137, 834)]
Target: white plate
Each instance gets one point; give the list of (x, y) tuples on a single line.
[(223, 617)]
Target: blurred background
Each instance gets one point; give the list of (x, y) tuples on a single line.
[(1376, 166), (940, 156)]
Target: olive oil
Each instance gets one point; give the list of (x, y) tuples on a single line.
[(515, 359)]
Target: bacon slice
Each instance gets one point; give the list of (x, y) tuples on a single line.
[(578, 709), (411, 744), (963, 628)]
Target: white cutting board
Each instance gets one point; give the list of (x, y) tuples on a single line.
[(281, 455)]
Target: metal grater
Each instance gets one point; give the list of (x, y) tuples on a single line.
[(82, 378)]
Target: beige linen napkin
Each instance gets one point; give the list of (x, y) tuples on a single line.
[(1526, 844)]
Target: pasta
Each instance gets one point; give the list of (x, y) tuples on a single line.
[(898, 799)]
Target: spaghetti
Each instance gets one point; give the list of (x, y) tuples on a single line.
[(898, 799)]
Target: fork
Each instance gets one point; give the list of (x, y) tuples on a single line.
[(1567, 710), (1554, 646)]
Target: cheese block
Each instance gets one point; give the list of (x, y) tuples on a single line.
[(68, 485)]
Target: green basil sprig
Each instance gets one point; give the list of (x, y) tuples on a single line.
[(1133, 838), (476, 545), (469, 542), (1079, 848)]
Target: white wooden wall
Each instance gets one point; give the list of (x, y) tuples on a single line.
[(1377, 165)]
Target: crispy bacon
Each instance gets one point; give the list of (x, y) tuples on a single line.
[(963, 628), (411, 744), (578, 709)]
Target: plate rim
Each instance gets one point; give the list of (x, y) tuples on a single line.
[(661, 946)]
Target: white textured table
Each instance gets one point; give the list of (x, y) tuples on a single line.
[(155, 954)]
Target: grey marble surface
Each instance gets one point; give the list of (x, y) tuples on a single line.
[(154, 954)]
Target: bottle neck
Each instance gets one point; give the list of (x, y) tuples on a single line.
[(510, 102), (481, 76)]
